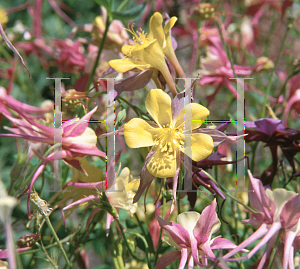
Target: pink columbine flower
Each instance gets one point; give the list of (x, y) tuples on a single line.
[(191, 236), (78, 140), (8, 102), (278, 209), (216, 69)]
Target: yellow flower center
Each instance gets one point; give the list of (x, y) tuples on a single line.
[(168, 139), (139, 37)]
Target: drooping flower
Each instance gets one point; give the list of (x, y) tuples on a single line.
[(77, 140), (215, 69), (119, 192), (164, 39), (191, 236), (149, 51), (277, 209), (274, 134)]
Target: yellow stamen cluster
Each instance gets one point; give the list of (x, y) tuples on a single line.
[(139, 37), (168, 139)]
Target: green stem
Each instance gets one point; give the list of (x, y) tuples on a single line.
[(108, 21), (146, 247), (123, 4), (179, 188), (274, 250), (223, 189), (137, 110), (38, 165), (227, 49), (253, 148), (57, 240), (144, 232), (160, 233), (126, 243), (290, 22)]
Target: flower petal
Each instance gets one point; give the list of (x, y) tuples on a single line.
[(222, 243), (207, 224), (290, 213), (146, 179), (138, 133), (155, 29), (260, 200), (126, 64), (188, 220), (183, 260), (176, 231), (162, 164), (167, 259), (280, 197), (201, 146), (199, 114), (158, 104)]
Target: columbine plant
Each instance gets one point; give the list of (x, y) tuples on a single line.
[(167, 137), (277, 210)]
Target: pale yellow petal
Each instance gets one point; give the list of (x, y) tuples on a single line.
[(126, 49), (199, 114), (138, 133), (169, 25), (156, 30), (280, 197), (162, 164), (127, 64), (158, 104), (188, 221), (168, 239), (153, 54), (202, 146)]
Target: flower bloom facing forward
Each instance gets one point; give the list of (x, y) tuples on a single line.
[(167, 137), (191, 236), (278, 209)]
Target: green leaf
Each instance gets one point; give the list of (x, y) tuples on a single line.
[(130, 224), (128, 14), (104, 3), (120, 117)]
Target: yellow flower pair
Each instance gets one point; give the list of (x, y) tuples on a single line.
[(150, 51)]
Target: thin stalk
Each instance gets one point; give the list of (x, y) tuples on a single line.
[(123, 4), (160, 234), (227, 49), (274, 250), (289, 26), (57, 240), (223, 189), (179, 193), (107, 24), (146, 247), (126, 243), (39, 163), (143, 230)]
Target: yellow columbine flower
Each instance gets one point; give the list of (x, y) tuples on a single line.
[(167, 136), (143, 54), (125, 183), (3, 16), (162, 35)]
